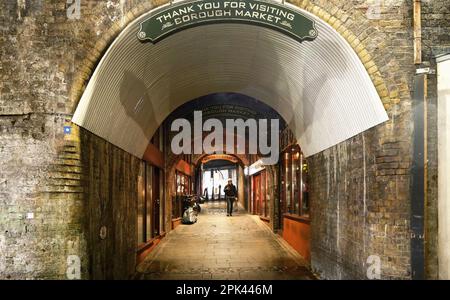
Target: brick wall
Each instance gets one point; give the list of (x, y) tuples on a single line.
[(436, 40), (38, 246), (41, 54), (360, 188)]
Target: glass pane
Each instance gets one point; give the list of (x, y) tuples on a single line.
[(161, 200), (155, 219), (252, 194), (288, 183), (296, 182), (148, 197), (178, 183), (305, 187), (174, 198), (268, 198), (257, 193), (283, 185), (141, 206), (188, 185), (263, 193)]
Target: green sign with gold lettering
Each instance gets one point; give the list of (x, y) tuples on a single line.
[(187, 14)]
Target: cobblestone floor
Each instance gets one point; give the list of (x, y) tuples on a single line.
[(221, 247)]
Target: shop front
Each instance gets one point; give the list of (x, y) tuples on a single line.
[(150, 213), (183, 188), (259, 194), (294, 202)]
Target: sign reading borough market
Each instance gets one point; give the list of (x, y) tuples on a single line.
[(187, 14)]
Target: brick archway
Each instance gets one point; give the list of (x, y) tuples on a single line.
[(66, 179), (242, 159), (311, 95), (330, 13)]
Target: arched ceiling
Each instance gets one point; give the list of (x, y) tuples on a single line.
[(319, 87)]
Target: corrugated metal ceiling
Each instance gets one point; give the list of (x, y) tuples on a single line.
[(320, 88)]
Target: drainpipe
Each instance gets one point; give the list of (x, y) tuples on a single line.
[(418, 179), (417, 32), (418, 167)]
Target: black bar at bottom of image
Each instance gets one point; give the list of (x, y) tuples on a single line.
[(219, 289)]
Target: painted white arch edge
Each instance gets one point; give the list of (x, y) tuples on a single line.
[(443, 79), (320, 88)]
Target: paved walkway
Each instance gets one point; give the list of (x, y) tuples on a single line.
[(221, 247)]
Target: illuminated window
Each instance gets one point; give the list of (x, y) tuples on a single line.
[(294, 182)]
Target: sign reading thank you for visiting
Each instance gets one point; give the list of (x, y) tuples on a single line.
[(186, 14)]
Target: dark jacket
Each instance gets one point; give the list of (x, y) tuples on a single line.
[(230, 190)]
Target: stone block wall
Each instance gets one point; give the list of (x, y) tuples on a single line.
[(41, 198)]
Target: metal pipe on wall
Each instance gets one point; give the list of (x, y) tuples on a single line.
[(418, 181), (419, 164), (417, 18)]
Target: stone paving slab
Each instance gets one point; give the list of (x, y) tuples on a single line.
[(223, 248)]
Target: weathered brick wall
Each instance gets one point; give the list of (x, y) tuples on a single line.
[(360, 207), (38, 247), (33, 104), (360, 189), (368, 203), (436, 40), (41, 55)]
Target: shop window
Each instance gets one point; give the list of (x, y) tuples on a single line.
[(149, 196), (259, 195), (288, 182), (141, 206), (149, 215), (182, 188), (294, 182), (263, 194), (305, 188), (161, 203)]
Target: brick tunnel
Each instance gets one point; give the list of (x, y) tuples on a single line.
[(114, 114)]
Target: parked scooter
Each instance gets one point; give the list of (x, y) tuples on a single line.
[(191, 208), (196, 200), (202, 199)]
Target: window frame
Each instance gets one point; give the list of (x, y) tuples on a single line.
[(294, 167)]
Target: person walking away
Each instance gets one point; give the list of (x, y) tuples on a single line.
[(230, 194), (205, 194)]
